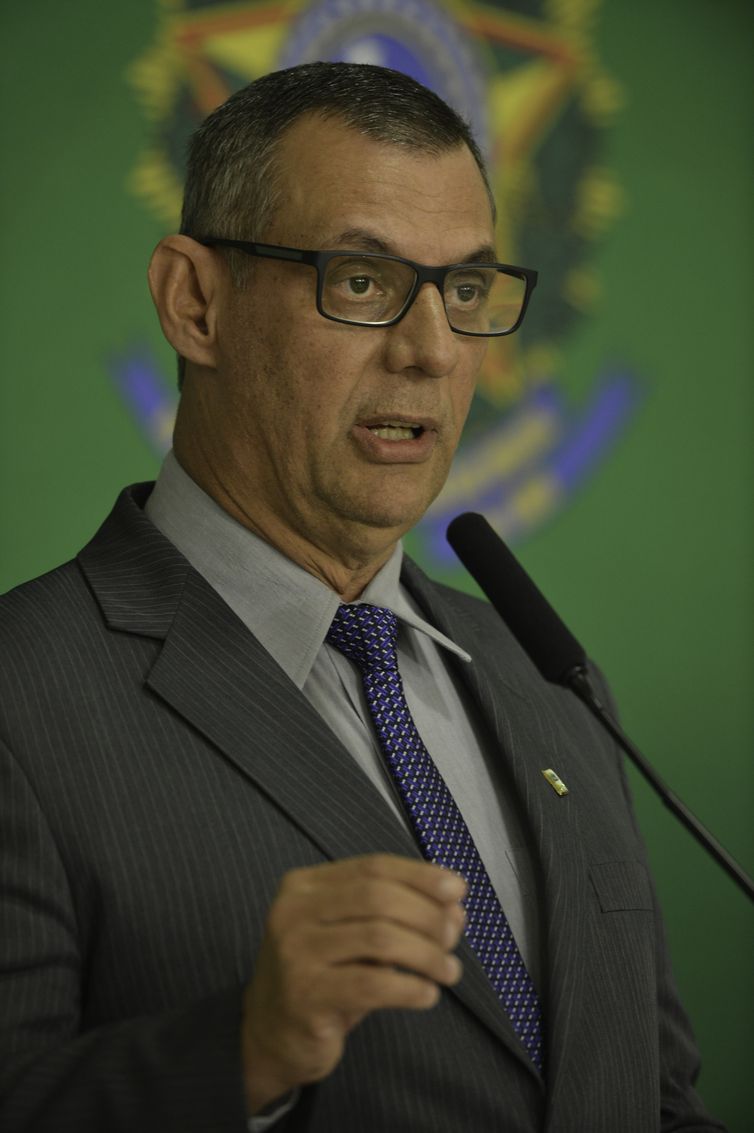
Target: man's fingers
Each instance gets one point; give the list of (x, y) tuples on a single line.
[(418, 895), (433, 881), (376, 899), (362, 988), (385, 943)]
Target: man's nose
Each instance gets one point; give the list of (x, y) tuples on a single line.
[(423, 340)]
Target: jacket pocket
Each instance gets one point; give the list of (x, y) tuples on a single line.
[(621, 886)]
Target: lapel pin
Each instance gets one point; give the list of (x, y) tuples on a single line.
[(555, 781)]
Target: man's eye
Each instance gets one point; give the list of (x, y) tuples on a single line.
[(467, 292), (354, 281), (359, 284)]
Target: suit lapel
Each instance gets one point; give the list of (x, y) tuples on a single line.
[(216, 674), (528, 726)]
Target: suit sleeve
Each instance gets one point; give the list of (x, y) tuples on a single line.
[(175, 1071)]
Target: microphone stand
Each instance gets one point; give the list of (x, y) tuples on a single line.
[(577, 679)]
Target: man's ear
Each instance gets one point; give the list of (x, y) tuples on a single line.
[(184, 280)]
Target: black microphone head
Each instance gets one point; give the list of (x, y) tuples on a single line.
[(522, 606)]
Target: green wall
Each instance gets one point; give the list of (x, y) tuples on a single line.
[(651, 562)]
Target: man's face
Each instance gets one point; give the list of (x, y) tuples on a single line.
[(341, 435)]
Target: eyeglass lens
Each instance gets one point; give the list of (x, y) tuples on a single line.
[(478, 300)]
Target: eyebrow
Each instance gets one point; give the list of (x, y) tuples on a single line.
[(360, 239)]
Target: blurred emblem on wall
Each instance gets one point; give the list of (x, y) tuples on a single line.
[(526, 76)]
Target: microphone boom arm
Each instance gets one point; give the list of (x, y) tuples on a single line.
[(560, 658), (578, 680)]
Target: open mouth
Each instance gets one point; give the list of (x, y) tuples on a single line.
[(396, 431)]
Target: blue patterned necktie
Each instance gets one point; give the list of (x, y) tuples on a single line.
[(367, 635)]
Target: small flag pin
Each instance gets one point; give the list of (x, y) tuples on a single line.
[(555, 781)]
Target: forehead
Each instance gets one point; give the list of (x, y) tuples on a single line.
[(334, 181)]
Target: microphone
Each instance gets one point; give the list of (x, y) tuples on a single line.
[(559, 656), (522, 606)]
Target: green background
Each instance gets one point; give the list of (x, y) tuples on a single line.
[(650, 563)]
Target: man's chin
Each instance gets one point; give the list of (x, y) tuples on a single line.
[(388, 502), (384, 516)]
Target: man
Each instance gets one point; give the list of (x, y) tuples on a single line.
[(217, 908)]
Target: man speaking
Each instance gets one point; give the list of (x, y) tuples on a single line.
[(277, 846)]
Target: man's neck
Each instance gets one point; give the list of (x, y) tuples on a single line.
[(360, 553)]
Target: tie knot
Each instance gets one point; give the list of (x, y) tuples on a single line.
[(366, 634)]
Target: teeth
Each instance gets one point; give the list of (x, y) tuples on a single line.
[(391, 431)]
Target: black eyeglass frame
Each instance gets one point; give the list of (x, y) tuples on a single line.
[(424, 274)]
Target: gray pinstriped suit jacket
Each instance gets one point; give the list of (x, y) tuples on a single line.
[(158, 775)]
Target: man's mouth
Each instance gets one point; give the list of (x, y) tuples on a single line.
[(396, 430), (398, 439)]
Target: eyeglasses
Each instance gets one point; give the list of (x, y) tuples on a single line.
[(370, 290)]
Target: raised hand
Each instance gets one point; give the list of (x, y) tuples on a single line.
[(341, 940)]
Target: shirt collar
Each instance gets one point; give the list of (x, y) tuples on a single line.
[(386, 589), (287, 609)]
